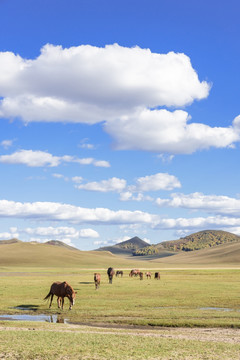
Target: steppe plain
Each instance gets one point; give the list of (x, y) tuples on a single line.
[(193, 312)]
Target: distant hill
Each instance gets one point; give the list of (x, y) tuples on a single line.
[(51, 242), (220, 255), (29, 254), (11, 241), (125, 247), (201, 240), (60, 243)]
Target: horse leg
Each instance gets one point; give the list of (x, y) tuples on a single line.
[(62, 302), (59, 302), (51, 301)]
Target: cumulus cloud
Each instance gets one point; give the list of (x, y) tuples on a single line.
[(113, 184), (9, 235), (160, 181), (156, 182), (199, 223), (170, 132), (66, 85), (58, 233), (42, 158), (52, 211), (217, 204)]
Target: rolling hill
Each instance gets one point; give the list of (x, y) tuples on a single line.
[(220, 248), (201, 240), (33, 254), (225, 254)]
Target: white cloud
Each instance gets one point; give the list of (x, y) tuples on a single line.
[(59, 233), (199, 223), (101, 163), (31, 158), (66, 85), (85, 145), (50, 87), (217, 204), (63, 233), (128, 195), (165, 131), (165, 157), (9, 235), (6, 143), (160, 181), (41, 158), (89, 161), (77, 179), (58, 176), (101, 243), (52, 211), (113, 184)]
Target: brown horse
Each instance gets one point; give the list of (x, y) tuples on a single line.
[(157, 275), (148, 274), (97, 279), (134, 272), (141, 275), (61, 290)]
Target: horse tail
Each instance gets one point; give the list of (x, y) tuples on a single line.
[(48, 295)]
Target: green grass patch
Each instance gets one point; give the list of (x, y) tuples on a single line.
[(178, 299)]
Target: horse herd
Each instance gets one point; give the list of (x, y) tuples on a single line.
[(63, 289)]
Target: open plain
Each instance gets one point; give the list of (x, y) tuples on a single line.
[(191, 313)]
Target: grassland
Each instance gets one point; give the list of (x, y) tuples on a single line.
[(146, 319), (57, 342)]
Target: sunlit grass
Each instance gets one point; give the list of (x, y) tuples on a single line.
[(176, 300)]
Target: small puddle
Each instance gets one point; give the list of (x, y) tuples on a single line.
[(216, 309), (41, 318)]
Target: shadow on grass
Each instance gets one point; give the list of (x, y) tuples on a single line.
[(86, 282), (28, 307)]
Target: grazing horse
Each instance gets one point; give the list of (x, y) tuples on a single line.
[(148, 274), (141, 275), (61, 290), (157, 275), (134, 272), (110, 272), (97, 279), (119, 272)]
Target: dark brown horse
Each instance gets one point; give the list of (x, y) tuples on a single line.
[(119, 272), (141, 275), (61, 290), (157, 275), (110, 273), (97, 279)]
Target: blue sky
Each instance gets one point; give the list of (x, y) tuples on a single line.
[(118, 119)]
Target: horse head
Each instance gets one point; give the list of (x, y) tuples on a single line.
[(71, 294)]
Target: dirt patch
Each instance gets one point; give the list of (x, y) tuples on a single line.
[(230, 336)]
